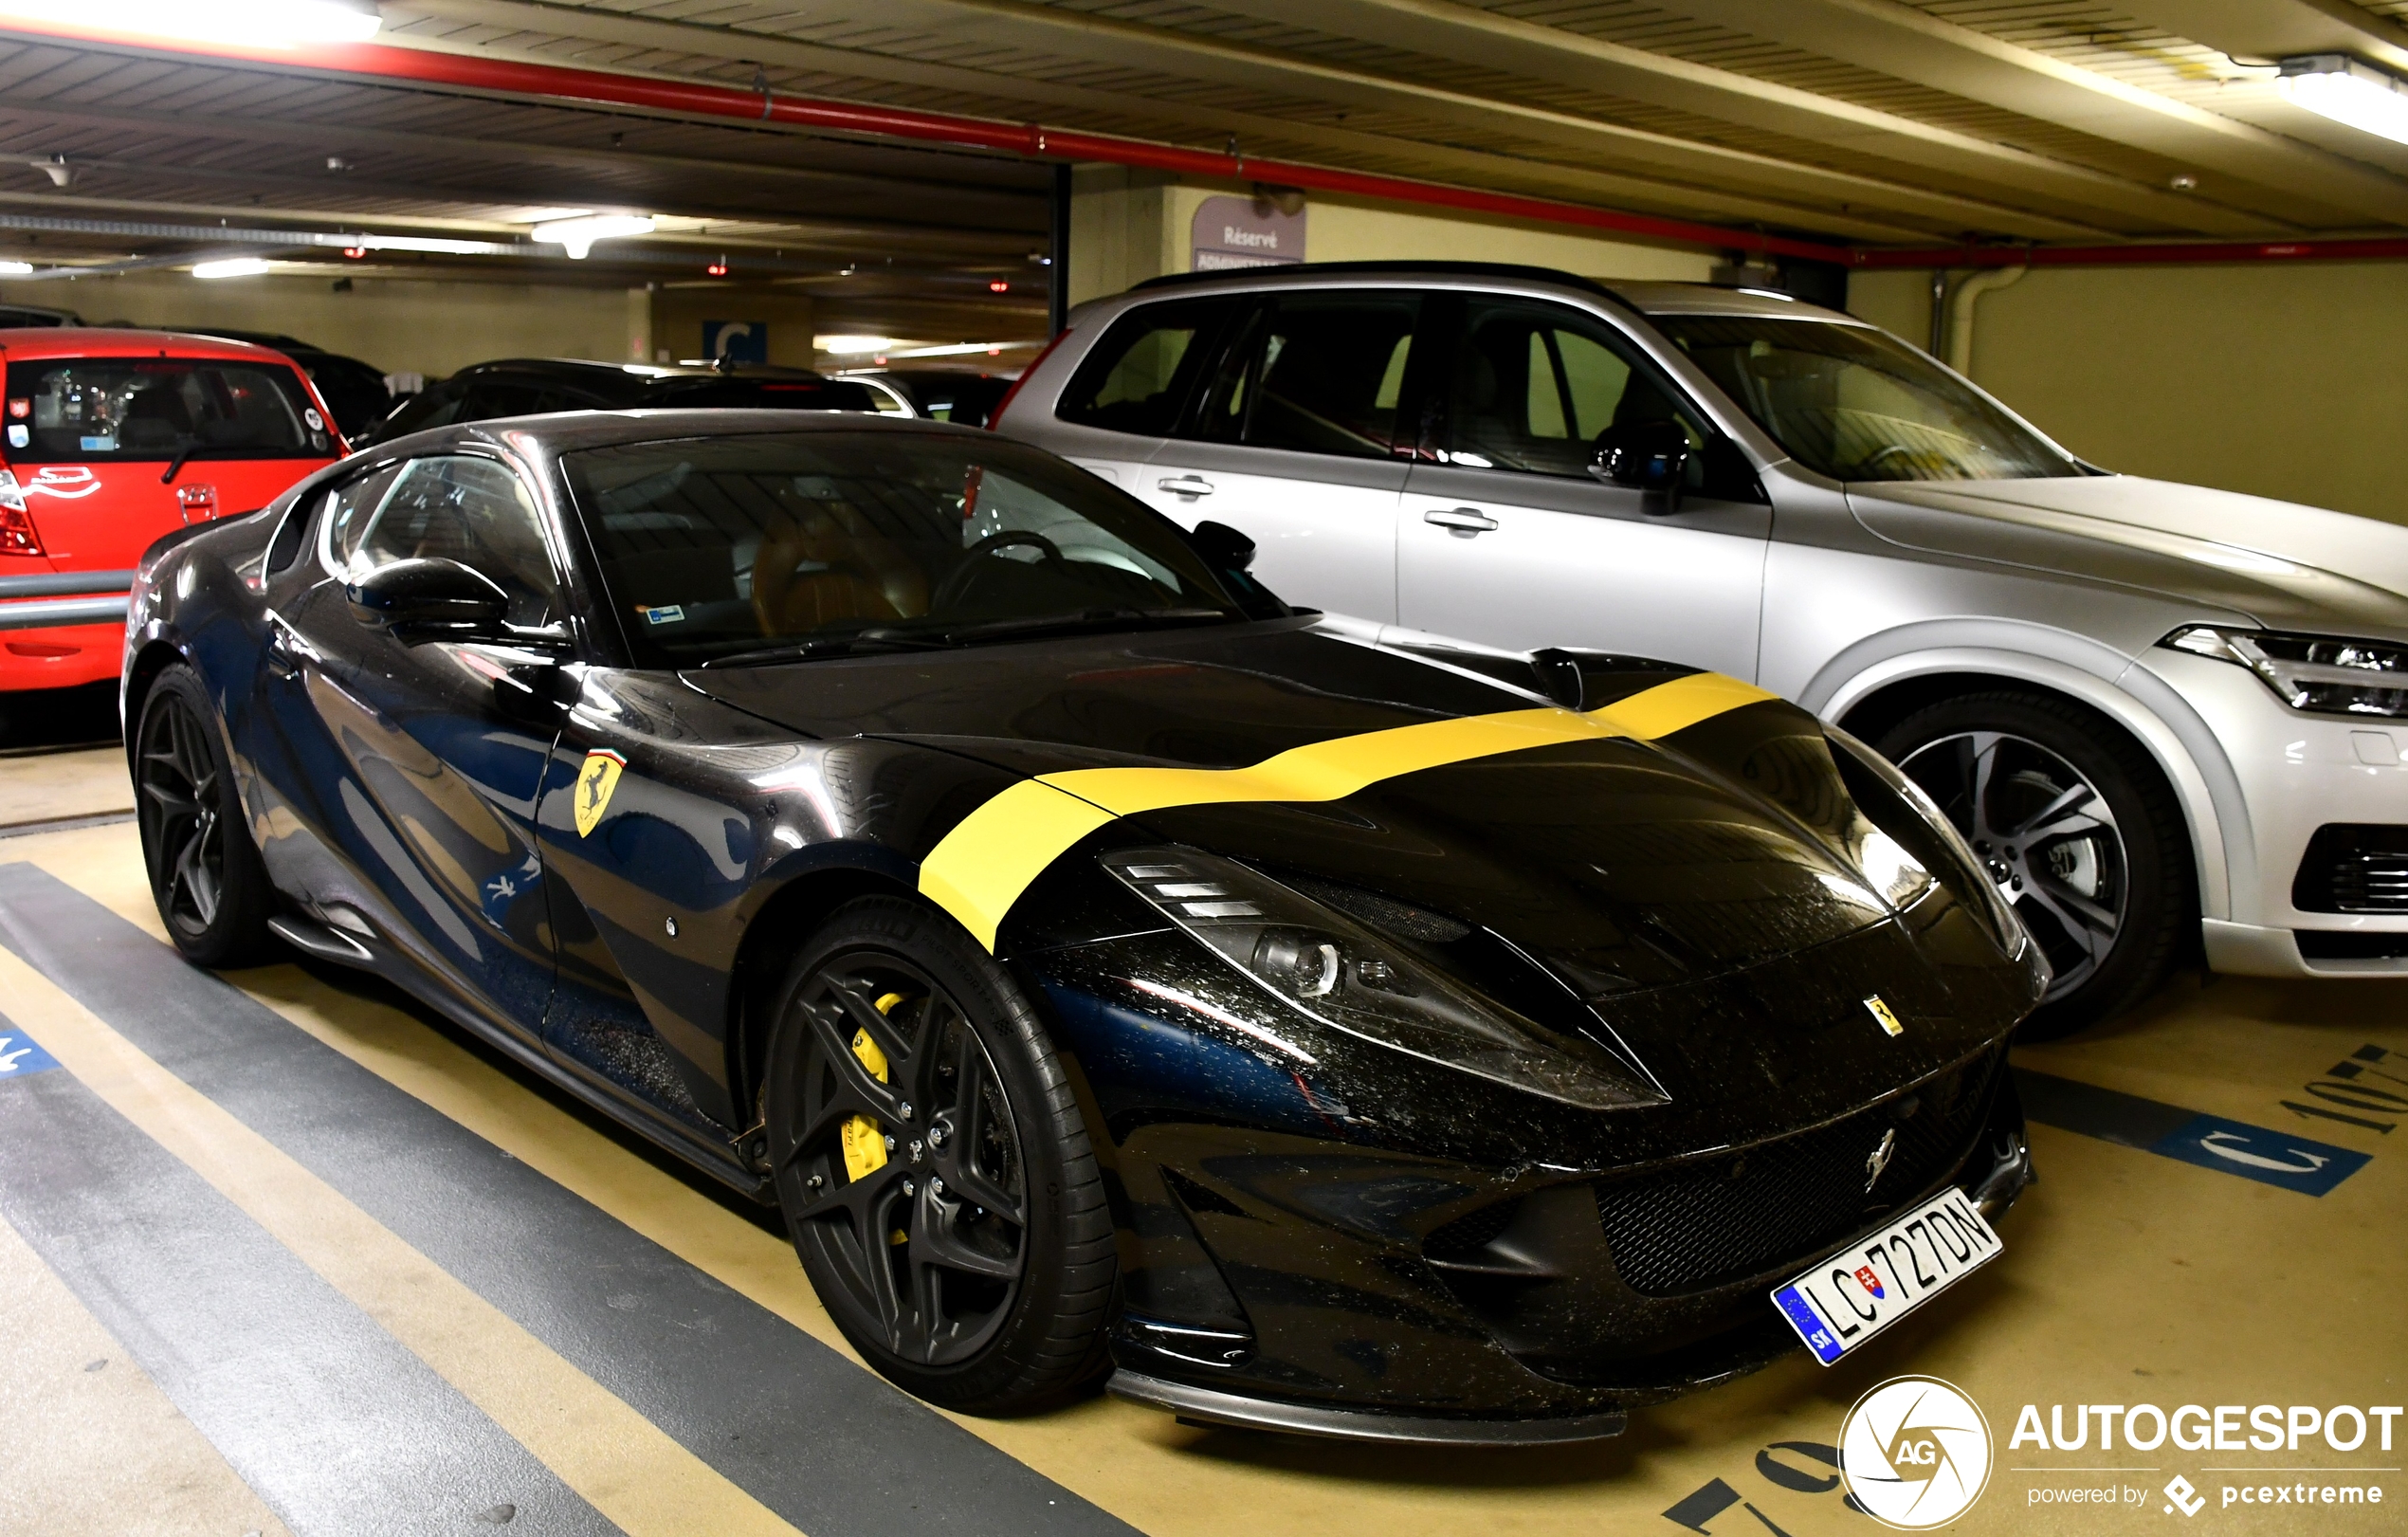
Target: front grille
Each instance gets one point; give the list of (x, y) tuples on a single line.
[(1710, 1225), (2353, 867)]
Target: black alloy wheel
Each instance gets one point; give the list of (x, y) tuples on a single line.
[(933, 1165), (206, 874), (2076, 828)]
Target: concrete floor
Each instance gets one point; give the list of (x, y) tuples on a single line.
[(280, 1252)]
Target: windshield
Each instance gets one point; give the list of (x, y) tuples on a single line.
[(1857, 405), (714, 548), (105, 410)]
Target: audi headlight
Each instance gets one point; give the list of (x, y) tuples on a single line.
[(2319, 673), (1325, 965)]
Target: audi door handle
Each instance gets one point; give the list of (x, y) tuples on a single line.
[(1186, 485), (1461, 522)]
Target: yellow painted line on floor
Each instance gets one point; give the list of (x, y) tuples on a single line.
[(621, 1463)]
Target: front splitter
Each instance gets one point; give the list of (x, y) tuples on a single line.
[(1206, 1404)]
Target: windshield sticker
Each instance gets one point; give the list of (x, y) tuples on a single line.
[(20, 409), (316, 423), (663, 613), (19, 434), (100, 445)]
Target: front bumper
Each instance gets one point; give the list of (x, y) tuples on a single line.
[(2296, 773), (1532, 1335)]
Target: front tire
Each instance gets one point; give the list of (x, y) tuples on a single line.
[(933, 1165), (2079, 830), (206, 874)]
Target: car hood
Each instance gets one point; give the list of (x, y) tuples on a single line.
[(2282, 565), (1695, 887)]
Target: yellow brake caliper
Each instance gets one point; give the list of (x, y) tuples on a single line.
[(863, 1139)]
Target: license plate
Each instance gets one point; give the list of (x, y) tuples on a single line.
[(1859, 1291)]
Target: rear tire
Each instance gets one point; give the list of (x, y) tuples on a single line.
[(2079, 829), (974, 1265), (206, 874)]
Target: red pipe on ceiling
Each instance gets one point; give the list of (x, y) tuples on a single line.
[(510, 77), (2161, 255), (425, 67)]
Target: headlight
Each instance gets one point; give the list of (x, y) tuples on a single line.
[(1930, 840), (2321, 673), (1335, 970)]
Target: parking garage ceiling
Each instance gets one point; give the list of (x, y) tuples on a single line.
[(1868, 123)]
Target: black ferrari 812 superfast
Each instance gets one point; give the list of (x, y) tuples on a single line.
[(1108, 971)]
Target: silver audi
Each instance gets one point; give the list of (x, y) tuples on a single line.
[(2169, 719)]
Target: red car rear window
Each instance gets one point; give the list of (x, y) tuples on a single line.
[(105, 410)]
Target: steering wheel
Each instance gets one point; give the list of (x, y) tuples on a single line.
[(959, 576), (1875, 462)]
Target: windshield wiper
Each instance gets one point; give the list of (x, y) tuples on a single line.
[(1056, 624), (899, 638), (194, 450), (819, 646)]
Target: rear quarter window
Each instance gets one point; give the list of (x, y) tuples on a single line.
[(1141, 375)]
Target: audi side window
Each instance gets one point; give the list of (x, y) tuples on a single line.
[(457, 507), (1534, 384), (1317, 374), (1139, 376)]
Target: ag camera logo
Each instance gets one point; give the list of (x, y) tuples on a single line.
[(1915, 1451)]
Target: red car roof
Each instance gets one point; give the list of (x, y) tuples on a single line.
[(33, 343)]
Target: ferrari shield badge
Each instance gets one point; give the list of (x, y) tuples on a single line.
[(595, 780), (1883, 1017)]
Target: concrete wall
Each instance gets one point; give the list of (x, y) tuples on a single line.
[(400, 325), (1128, 226), (2284, 380)]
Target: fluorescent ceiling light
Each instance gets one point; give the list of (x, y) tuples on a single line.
[(425, 243), (2359, 96), (239, 267), (845, 346), (15, 269), (276, 23), (960, 349), (579, 235)]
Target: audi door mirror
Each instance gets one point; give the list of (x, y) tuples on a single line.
[(1645, 455), (420, 600), (1223, 547)]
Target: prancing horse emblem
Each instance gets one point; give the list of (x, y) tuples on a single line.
[(595, 780), (1879, 1162)]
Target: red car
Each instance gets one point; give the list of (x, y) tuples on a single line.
[(113, 438)]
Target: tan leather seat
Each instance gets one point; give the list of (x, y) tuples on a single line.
[(856, 573)]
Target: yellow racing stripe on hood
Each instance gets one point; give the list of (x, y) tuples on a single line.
[(982, 866)]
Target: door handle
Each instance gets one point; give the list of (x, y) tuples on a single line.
[(281, 659), (1186, 485), (1461, 522)]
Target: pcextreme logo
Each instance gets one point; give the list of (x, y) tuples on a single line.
[(1915, 1451)]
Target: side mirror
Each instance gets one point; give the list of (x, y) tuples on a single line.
[(1223, 547), (416, 601), (1648, 455)]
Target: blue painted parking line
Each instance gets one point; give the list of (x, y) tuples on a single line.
[(2270, 1157), (21, 1056)]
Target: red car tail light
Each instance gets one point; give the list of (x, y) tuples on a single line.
[(17, 534)]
